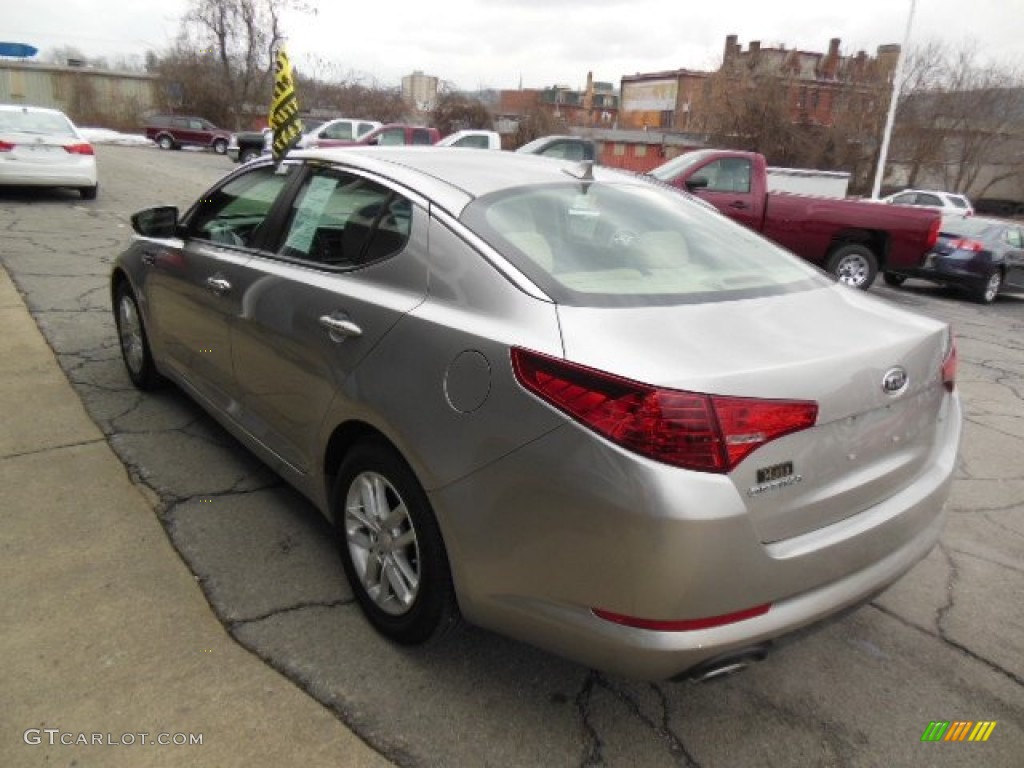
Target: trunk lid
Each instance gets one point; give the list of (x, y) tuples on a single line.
[(834, 346)]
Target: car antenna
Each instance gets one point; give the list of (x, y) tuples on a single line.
[(584, 171)]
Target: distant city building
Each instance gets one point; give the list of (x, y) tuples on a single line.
[(819, 85), (597, 105), (420, 91)]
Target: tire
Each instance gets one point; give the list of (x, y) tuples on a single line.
[(391, 547), (986, 292), (165, 142), (894, 279), (132, 338), (220, 146), (248, 154), (89, 193), (854, 264)]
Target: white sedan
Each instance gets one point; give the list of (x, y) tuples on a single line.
[(41, 147)]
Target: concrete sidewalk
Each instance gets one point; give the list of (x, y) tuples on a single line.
[(104, 634)]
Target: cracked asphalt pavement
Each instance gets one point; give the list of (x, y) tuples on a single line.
[(944, 643)]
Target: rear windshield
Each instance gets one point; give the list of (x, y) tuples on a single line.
[(632, 243), (958, 226), (49, 123)]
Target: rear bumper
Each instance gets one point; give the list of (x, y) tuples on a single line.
[(605, 530), (57, 175), (969, 273)]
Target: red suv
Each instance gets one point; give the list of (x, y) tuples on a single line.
[(177, 131)]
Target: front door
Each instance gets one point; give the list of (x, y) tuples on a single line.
[(196, 289), (729, 189)]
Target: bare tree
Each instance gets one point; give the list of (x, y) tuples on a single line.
[(960, 123), (454, 111), (536, 122), (230, 44)]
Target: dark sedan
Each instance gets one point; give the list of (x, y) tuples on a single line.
[(979, 255)]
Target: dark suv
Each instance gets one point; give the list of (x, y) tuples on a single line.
[(177, 131)]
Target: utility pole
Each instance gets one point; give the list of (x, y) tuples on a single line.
[(896, 83)]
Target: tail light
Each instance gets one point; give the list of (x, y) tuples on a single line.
[(965, 244), (79, 149), (949, 364), (933, 233), (6, 146), (705, 433)]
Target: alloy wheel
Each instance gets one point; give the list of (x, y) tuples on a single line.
[(382, 543), (130, 333)]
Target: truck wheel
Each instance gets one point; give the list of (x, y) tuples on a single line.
[(220, 146), (165, 142), (248, 154), (854, 264)]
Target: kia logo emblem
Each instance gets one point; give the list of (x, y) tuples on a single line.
[(894, 381)]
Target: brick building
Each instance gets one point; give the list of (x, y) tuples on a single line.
[(596, 105), (820, 85)]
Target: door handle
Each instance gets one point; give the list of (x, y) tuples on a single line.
[(738, 204), (218, 285), (149, 258), (340, 328)]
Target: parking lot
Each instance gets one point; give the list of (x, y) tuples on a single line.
[(945, 643)]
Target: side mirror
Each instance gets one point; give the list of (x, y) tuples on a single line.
[(160, 222), (697, 182)]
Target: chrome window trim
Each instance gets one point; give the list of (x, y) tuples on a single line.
[(499, 262)]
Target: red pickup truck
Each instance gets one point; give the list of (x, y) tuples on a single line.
[(387, 135), (852, 239)]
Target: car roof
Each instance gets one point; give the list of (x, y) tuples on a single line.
[(930, 192), (29, 108), (453, 177)]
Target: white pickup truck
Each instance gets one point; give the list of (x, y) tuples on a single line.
[(475, 138)]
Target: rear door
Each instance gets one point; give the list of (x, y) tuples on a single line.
[(334, 286), (1015, 258)]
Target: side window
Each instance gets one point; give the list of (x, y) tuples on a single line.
[(365, 128), (906, 199), (179, 122), (421, 136), (338, 131), (341, 220), (233, 214), (923, 199), (1014, 238), (394, 137), (730, 174), (477, 142), (559, 149)]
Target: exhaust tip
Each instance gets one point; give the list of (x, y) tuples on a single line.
[(723, 666)]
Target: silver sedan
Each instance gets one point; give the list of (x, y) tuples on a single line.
[(562, 402)]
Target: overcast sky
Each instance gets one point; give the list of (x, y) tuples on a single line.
[(502, 43)]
